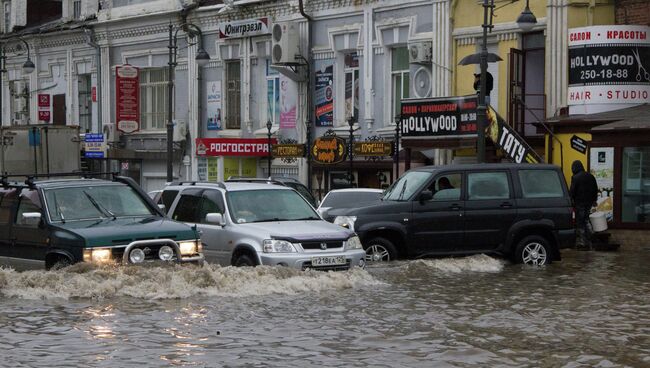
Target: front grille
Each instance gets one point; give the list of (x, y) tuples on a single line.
[(344, 267), (316, 245), (150, 252)]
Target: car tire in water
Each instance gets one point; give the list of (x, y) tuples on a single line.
[(533, 250), (58, 263), (244, 260), (380, 250)]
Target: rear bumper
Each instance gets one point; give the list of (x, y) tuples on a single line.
[(566, 238)]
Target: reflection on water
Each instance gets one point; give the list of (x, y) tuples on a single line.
[(591, 309)]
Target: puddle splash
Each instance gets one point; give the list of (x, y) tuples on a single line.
[(476, 263), (173, 282)]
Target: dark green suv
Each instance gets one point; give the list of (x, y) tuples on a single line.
[(54, 223)]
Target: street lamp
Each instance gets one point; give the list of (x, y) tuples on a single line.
[(351, 148), (525, 21), (269, 125), (28, 68), (202, 58), (398, 127)]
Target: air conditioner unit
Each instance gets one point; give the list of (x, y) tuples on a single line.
[(180, 131), (420, 52), (285, 43)]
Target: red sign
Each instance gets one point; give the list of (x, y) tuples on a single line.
[(233, 146), (44, 116), (127, 86), (93, 94), (43, 100)]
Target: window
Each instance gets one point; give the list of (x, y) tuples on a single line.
[(233, 95), (407, 185), (400, 78), (636, 185), (272, 93), (7, 203), (351, 71), (27, 205), (540, 184), (167, 198), (7, 16), (85, 102), (212, 202), (490, 185), (268, 205), (187, 209), (153, 98), (76, 9), (446, 187), (19, 90)]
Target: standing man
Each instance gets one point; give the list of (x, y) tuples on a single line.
[(584, 192)]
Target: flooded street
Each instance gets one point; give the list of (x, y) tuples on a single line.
[(591, 309)]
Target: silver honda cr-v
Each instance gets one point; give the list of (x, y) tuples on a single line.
[(248, 224)]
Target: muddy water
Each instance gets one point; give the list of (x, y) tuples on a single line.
[(591, 309)]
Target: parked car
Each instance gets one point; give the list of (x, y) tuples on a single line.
[(285, 180), (518, 210), (54, 223), (347, 198), (248, 224)]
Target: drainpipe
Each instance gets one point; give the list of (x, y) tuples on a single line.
[(310, 114), (90, 33)]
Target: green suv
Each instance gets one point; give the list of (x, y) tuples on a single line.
[(55, 223)]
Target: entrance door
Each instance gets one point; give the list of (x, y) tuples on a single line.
[(516, 109), (58, 107)]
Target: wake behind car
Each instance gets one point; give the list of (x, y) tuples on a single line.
[(251, 223), (522, 211), (54, 223)]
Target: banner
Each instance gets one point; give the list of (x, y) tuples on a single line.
[(44, 108), (288, 103), (324, 93), (244, 28), (233, 146), (213, 105), (609, 65), (127, 87), (446, 116), (601, 166), (506, 138)]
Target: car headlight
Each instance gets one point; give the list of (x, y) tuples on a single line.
[(277, 246), (97, 255), (353, 243), (188, 247), (346, 221)]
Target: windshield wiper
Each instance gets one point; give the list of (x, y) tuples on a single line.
[(99, 206), (306, 218), (401, 193), (58, 209)]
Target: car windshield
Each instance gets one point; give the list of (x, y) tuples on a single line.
[(269, 205), (92, 202), (349, 199), (407, 185)]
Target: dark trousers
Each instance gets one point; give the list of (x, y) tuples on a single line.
[(583, 238)]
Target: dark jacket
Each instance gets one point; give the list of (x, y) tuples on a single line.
[(584, 190)]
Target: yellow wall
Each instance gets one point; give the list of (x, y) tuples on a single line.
[(569, 154), (469, 13), (464, 76)]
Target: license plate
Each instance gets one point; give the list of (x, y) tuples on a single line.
[(327, 261)]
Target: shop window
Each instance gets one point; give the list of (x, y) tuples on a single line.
[(636, 185), (233, 95), (85, 102), (272, 93), (154, 84), (399, 79), (351, 70)]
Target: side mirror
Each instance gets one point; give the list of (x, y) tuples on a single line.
[(425, 195), (215, 218), (31, 218), (162, 207)]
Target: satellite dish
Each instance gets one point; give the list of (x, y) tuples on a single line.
[(422, 82)]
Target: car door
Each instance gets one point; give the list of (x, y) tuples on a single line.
[(8, 201), (30, 240), (216, 246), (436, 224), (489, 210)]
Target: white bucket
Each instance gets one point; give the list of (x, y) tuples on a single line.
[(598, 221)]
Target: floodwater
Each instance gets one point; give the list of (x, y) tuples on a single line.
[(590, 310)]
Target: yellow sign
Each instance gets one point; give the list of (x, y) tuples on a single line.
[(288, 150), (328, 150), (376, 148)]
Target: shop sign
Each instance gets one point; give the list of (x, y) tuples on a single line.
[(601, 165), (288, 150), (506, 138), (609, 65), (376, 148), (233, 146), (94, 145), (329, 150), (127, 88), (213, 105), (93, 94), (324, 97), (244, 28), (579, 144), (44, 108), (439, 116)]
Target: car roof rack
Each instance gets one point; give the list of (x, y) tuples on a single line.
[(29, 181), (194, 182), (235, 179)]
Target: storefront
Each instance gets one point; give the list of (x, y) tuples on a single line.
[(222, 158)]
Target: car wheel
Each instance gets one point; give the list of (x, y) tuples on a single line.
[(533, 250), (380, 250), (58, 263), (244, 260)]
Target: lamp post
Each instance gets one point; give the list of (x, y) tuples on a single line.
[(28, 68), (351, 148), (525, 21), (202, 58), (269, 125), (398, 127)]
